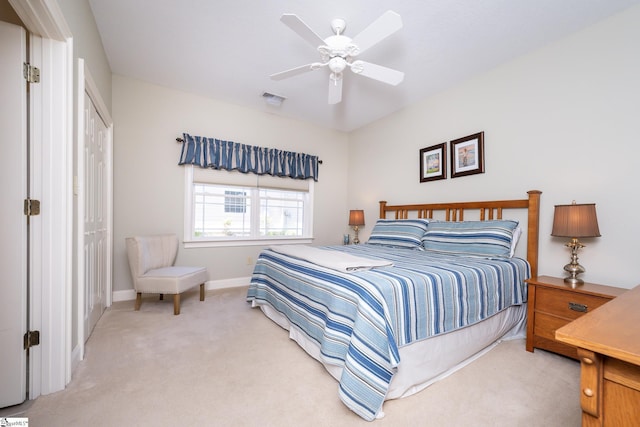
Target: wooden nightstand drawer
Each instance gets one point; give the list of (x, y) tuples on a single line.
[(546, 325), (567, 304)]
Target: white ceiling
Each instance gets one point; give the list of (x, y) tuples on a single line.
[(226, 49)]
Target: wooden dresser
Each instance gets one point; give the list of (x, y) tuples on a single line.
[(608, 342), (552, 304)]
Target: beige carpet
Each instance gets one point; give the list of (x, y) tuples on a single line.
[(221, 363)]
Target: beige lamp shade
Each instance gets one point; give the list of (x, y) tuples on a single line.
[(356, 217), (575, 221)]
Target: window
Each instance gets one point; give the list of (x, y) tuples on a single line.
[(282, 212), (232, 208)]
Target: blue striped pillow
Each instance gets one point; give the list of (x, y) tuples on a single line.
[(474, 238), (404, 233)]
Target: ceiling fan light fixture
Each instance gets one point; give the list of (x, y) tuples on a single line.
[(337, 64), (273, 99)]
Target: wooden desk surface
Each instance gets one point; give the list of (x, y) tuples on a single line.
[(612, 329)]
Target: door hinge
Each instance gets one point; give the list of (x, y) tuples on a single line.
[(31, 207), (31, 338), (31, 73)]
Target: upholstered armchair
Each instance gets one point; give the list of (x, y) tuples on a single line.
[(151, 260)]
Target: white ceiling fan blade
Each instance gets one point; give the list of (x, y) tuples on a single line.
[(294, 71), (303, 30), (377, 72), (378, 30), (335, 89)]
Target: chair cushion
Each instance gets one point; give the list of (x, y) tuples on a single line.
[(171, 280)]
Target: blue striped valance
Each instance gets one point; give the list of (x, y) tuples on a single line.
[(216, 154)]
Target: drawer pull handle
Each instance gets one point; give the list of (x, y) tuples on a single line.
[(582, 308), (588, 392)]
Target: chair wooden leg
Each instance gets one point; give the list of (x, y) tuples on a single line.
[(202, 292), (138, 301), (176, 304)]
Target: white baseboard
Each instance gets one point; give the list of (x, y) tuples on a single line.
[(75, 358), (127, 295), (237, 282)]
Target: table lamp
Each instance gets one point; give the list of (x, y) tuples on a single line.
[(575, 221), (356, 219)]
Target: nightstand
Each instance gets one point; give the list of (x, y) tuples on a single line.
[(552, 303)]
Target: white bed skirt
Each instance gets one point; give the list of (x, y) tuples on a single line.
[(425, 362)]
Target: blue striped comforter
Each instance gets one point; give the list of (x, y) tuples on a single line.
[(361, 319)]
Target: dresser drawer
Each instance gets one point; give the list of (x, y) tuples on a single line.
[(566, 304)]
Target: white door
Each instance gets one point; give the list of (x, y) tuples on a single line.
[(95, 215), (13, 223)]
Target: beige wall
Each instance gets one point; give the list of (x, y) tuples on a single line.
[(149, 185), (562, 120)]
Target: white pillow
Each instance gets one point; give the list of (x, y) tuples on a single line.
[(514, 240)]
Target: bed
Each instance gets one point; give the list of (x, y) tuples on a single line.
[(435, 286)]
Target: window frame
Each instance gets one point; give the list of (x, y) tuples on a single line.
[(190, 242)]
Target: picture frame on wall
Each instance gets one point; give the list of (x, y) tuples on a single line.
[(433, 162), (467, 155)]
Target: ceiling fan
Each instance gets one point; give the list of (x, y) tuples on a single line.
[(339, 52)]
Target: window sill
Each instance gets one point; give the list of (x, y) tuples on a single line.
[(248, 242)]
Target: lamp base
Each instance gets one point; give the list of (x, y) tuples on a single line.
[(356, 241), (574, 268), (574, 282)]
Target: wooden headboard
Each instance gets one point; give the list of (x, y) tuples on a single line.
[(488, 210)]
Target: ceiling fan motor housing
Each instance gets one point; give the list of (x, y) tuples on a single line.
[(337, 46)]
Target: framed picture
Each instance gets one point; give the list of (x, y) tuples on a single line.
[(467, 155), (433, 162)]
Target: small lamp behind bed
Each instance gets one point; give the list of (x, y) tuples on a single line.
[(575, 221), (356, 219)]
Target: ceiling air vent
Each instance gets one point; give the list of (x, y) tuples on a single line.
[(273, 99)]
